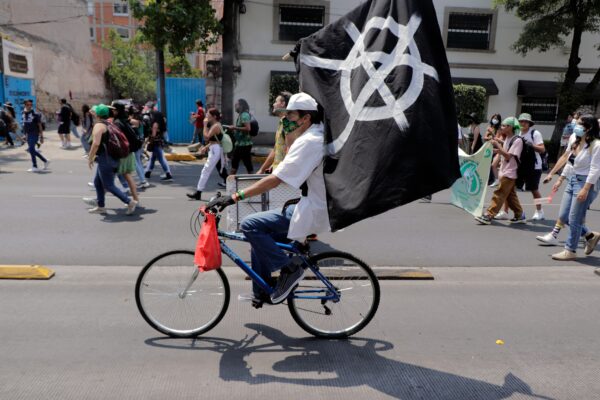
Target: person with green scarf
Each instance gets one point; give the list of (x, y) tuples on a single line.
[(509, 151)]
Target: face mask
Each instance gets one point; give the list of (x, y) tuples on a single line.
[(495, 122), (579, 131)]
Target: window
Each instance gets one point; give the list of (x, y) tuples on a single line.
[(92, 34), (124, 33), (90, 7), (542, 109), (298, 21), (121, 7), (470, 30)]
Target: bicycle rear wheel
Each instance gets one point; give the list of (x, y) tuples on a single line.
[(355, 283), (178, 300)]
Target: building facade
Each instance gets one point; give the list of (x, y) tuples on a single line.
[(478, 41)]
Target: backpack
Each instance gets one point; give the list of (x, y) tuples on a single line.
[(3, 124), (135, 143), (117, 145), (527, 159), (75, 118), (253, 126), (146, 122)]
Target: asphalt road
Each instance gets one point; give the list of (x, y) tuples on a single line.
[(80, 336), (44, 221)]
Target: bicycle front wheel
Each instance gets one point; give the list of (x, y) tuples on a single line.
[(311, 303), (175, 298)]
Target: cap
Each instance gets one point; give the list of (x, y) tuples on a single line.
[(102, 110), (526, 117), (302, 102)]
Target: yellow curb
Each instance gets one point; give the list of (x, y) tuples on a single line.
[(180, 157), (25, 272), (387, 274)]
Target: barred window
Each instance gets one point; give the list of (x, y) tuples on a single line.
[(299, 21), (121, 7), (90, 7), (469, 31), (124, 33), (542, 109)]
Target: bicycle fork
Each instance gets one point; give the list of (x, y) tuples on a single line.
[(190, 283)]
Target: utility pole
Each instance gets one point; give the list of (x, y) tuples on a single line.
[(160, 68), (230, 13)]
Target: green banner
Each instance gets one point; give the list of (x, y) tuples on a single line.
[(468, 192)]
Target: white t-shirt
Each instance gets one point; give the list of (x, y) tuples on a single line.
[(587, 162), (537, 140), (304, 163)]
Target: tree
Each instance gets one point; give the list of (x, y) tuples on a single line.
[(183, 26), (548, 24), (469, 99), (130, 73)]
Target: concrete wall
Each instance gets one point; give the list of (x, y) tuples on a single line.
[(62, 53), (260, 54)]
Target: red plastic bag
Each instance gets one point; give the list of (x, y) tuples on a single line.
[(208, 250)]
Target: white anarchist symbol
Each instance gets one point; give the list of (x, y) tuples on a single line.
[(361, 57)]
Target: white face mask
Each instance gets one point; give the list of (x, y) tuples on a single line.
[(495, 122)]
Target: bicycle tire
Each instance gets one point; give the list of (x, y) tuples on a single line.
[(312, 314), (166, 277)]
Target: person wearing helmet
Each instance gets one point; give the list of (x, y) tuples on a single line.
[(302, 168)]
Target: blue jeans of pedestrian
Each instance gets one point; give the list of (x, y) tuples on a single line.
[(32, 140), (572, 211), (139, 166), (158, 154), (262, 231), (105, 179), (74, 130)]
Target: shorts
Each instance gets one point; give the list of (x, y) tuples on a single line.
[(531, 180)]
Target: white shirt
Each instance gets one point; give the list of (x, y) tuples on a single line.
[(587, 162), (537, 140), (304, 163)]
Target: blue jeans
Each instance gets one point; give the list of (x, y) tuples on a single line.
[(74, 130), (85, 142), (262, 231), (32, 139), (572, 212), (157, 153), (139, 166), (105, 179)]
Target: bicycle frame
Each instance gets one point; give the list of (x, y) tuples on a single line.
[(330, 294)]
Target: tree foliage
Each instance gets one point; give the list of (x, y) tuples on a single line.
[(180, 67), (130, 72), (282, 83), (183, 26), (469, 99)]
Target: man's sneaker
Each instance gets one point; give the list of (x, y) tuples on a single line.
[(131, 207), (564, 255), (144, 185), (167, 178), (97, 210), (147, 174), (484, 219), (495, 183), (91, 201), (548, 239), (91, 184), (288, 279), (46, 165), (538, 215), (34, 169), (502, 216), (517, 220), (590, 245), (257, 300)]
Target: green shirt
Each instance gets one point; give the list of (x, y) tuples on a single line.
[(283, 129), (242, 138)]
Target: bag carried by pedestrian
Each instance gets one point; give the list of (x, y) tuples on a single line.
[(117, 145), (208, 249), (254, 129), (226, 143), (527, 159)]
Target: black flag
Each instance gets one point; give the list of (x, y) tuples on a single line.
[(382, 77)]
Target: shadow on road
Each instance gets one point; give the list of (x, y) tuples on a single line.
[(343, 364), (120, 216)]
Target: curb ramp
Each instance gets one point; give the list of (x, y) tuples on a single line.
[(25, 272)]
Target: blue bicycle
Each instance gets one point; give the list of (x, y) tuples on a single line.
[(338, 296)]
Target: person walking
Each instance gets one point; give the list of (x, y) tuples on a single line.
[(581, 173), (127, 165), (509, 151), (64, 124), (156, 142), (532, 178), (135, 120), (213, 135), (106, 165), (242, 150), (31, 121), (198, 120), (87, 124), (284, 136), (567, 132), (6, 121), (493, 132), (475, 139)]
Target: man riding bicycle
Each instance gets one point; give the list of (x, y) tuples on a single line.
[(302, 168)]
